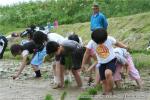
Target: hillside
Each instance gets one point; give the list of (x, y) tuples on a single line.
[(65, 11), (133, 30)]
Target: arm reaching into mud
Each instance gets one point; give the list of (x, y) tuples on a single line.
[(85, 58), (92, 66), (121, 45), (23, 64), (127, 68)]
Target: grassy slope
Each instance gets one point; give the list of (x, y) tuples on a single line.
[(133, 30)]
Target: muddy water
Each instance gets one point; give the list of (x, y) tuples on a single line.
[(28, 88)]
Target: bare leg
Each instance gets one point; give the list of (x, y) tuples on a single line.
[(118, 84), (37, 71), (104, 86), (58, 72), (97, 77), (77, 77), (55, 74), (61, 76), (54, 69), (109, 80), (35, 68)]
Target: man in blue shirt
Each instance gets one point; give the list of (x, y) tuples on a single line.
[(98, 20)]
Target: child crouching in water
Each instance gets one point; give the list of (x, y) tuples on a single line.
[(124, 59)]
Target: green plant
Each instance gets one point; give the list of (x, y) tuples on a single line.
[(92, 91), (48, 97), (67, 83), (84, 96), (64, 94), (98, 87), (45, 75)]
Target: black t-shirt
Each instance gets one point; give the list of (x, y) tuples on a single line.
[(30, 46), (70, 46)]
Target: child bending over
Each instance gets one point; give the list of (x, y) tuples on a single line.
[(25, 50), (102, 44), (69, 54), (124, 59)]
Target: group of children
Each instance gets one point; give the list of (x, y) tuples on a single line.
[(110, 57)]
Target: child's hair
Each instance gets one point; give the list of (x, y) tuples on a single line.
[(99, 36), (39, 37), (41, 28), (32, 27), (14, 35), (30, 33), (51, 47), (1, 43), (15, 48), (74, 37)]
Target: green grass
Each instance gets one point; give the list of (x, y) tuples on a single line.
[(132, 30), (141, 60), (8, 29)]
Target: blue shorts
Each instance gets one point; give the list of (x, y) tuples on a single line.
[(38, 57), (110, 65)]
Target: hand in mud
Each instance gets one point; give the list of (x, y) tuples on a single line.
[(128, 49), (14, 77), (122, 75), (88, 70), (83, 68)]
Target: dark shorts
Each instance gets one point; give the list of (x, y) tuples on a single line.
[(110, 65), (73, 60)]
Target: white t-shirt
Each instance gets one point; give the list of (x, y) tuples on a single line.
[(123, 52), (104, 52), (24, 42), (80, 40), (121, 55), (24, 53), (55, 37)]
